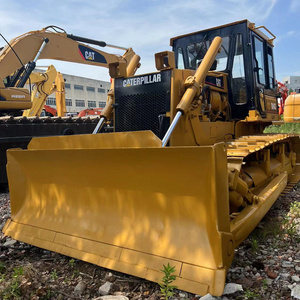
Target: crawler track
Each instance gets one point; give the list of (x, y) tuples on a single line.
[(262, 158)]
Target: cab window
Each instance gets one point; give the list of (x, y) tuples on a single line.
[(222, 57), (180, 62), (196, 52), (259, 58), (271, 68), (238, 73)]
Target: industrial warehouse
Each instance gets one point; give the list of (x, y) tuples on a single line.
[(81, 93)]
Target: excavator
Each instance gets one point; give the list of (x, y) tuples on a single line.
[(44, 85), (17, 132), (283, 94), (184, 178), (17, 62), (90, 112), (49, 111)]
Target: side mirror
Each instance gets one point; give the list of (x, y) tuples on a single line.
[(165, 60)]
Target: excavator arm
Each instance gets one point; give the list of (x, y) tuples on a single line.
[(44, 85), (60, 95), (59, 46), (20, 56)]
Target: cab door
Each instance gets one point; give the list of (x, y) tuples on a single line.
[(265, 89)]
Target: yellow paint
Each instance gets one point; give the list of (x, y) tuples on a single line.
[(123, 202), (291, 112)]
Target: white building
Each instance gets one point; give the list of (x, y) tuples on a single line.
[(292, 82), (82, 93)]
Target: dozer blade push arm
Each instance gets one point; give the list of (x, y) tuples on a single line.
[(194, 86)]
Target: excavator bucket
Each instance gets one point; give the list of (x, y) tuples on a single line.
[(123, 202)]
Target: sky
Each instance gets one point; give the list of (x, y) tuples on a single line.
[(148, 25)]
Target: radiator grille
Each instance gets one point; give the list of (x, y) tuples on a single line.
[(140, 111), (141, 108)]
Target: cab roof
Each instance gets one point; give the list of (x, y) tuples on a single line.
[(250, 25)]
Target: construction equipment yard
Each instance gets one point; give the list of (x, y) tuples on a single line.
[(178, 192)]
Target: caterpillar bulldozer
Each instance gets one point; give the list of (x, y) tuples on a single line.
[(19, 107), (184, 178)]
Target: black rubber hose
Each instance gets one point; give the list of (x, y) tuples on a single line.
[(206, 88)]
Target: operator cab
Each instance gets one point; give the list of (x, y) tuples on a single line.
[(246, 56)]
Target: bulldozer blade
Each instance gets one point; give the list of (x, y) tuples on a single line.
[(132, 207)]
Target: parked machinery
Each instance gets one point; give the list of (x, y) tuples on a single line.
[(18, 60), (90, 112), (185, 177), (46, 83), (283, 94)]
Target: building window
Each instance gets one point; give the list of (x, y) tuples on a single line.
[(51, 101), (101, 90), (67, 85), (90, 89), (91, 103), (78, 87), (68, 102), (79, 103), (102, 104)]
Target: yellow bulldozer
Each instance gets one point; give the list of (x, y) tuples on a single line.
[(184, 178)]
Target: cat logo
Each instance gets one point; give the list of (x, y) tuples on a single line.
[(89, 55), (147, 79), (273, 106)]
